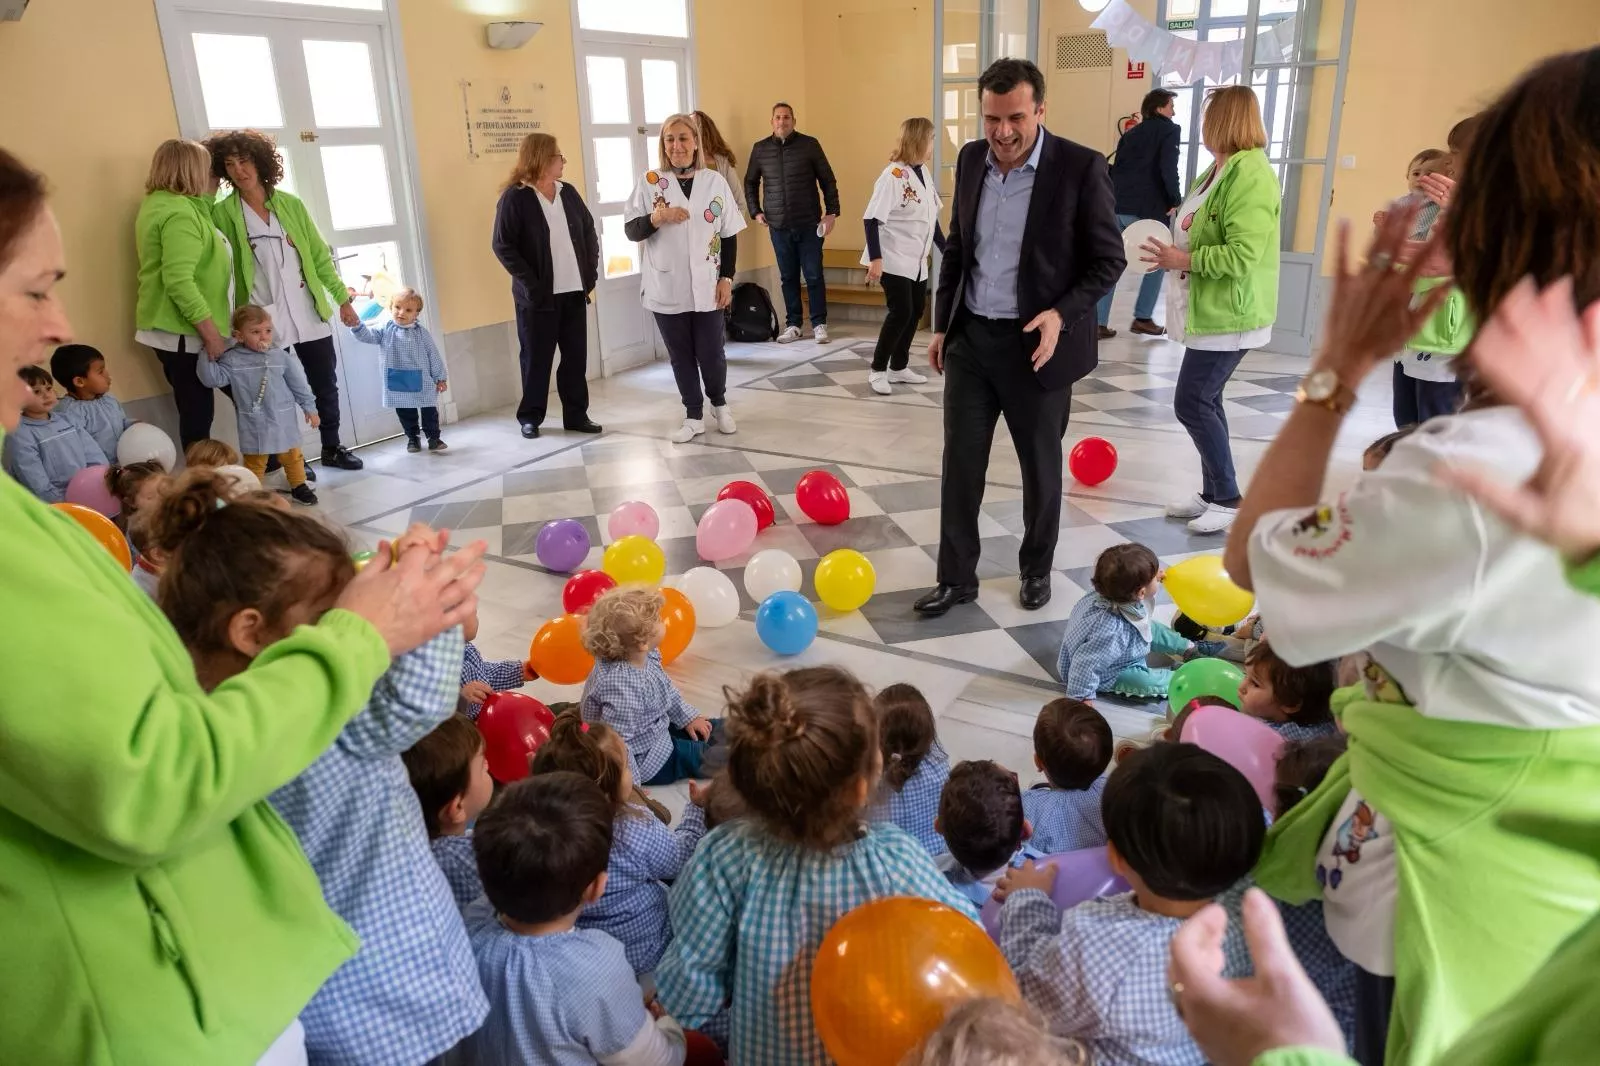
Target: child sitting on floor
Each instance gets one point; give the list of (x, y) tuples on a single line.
[(644, 853), (413, 371), (915, 766), (1072, 744), (46, 450), (993, 1032), (1183, 827), (1110, 633), (137, 487), (1293, 700), (88, 404), (450, 776), (981, 819), (752, 907), (209, 452), (480, 678), (628, 690), (559, 994), (241, 576)]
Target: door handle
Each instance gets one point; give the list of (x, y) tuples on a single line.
[(643, 129), (308, 136)]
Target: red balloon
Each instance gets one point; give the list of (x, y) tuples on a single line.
[(583, 588), (751, 493), (513, 726), (1092, 460), (822, 498)]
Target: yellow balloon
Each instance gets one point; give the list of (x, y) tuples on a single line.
[(1202, 590), (845, 579), (634, 559)]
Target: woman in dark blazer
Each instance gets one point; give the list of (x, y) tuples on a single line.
[(553, 270)]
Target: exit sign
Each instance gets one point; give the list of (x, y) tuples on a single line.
[(1180, 24)]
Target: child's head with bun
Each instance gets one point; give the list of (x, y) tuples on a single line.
[(240, 574), (624, 623), (803, 752), (592, 749)]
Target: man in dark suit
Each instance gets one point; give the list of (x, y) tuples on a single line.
[(1033, 244), (1145, 176)]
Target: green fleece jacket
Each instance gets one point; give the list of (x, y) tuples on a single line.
[(1450, 328), (183, 266), (316, 262), (1480, 907), (153, 907), (1233, 249)]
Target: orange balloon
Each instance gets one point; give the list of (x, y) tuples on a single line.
[(677, 614), (557, 652), (101, 529), (889, 972)]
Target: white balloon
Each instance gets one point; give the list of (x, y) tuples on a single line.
[(244, 480), (142, 441), (769, 571), (715, 600)]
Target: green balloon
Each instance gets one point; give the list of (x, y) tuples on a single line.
[(1204, 677)]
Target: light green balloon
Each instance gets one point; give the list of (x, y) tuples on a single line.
[(1204, 677)]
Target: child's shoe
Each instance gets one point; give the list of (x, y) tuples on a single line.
[(413, 444), (437, 445), (302, 493)]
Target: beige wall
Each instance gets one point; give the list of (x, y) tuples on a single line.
[(1084, 105)]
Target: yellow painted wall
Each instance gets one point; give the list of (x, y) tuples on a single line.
[(1084, 105)]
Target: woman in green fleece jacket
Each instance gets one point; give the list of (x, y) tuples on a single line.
[(155, 909)]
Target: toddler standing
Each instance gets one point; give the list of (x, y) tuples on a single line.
[(88, 404), (269, 393), (915, 766), (981, 819), (413, 370), (629, 690), (450, 776), (1293, 700), (1110, 633), (46, 450), (751, 909), (1072, 744)]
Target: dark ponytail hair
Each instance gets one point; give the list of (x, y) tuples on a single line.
[(226, 555), (906, 732), (590, 749), (124, 482)]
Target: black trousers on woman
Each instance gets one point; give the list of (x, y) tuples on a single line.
[(906, 299), (321, 364), (695, 347), (196, 402), (540, 331)]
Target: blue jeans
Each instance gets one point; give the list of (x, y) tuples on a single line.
[(1198, 405), (1144, 305), (799, 251), (691, 757)]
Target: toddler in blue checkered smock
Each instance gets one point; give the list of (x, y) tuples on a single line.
[(644, 852), (481, 678), (915, 766), (559, 994), (450, 776), (750, 910), (1110, 633), (1072, 744), (981, 819), (1183, 827), (413, 370), (629, 690)]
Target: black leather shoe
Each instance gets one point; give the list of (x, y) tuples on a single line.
[(587, 425), (530, 430), (1035, 593), (341, 458), (942, 598)]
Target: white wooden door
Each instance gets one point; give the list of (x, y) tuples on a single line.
[(627, 91), (322, 89)]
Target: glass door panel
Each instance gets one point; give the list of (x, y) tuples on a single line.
[(343, 92), (237, 81)]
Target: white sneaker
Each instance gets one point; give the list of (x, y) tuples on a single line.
[(907, 377), (820, 333), (691, 428), (1193, 507), (724, 419), (790, 335), (879, 380), (1215, 520)]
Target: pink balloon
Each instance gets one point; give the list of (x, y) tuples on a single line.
[(728, 528), (633, 517), (1080, 875), (88, 488), (1249, 746)]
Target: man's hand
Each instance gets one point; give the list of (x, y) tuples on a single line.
[(1028, 875), (1048, 323), (347, 315), (874, 271), (475, 692), (699, 728), (827, 223), (936, 353)]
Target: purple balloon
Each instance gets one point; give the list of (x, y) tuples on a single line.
[(562, 545), (1080, 875)]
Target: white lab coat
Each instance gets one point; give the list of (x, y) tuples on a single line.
[(682, 260), (907, 212)]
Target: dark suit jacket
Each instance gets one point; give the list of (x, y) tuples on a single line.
[(1071, 251), (522, 243), (1145, 173)]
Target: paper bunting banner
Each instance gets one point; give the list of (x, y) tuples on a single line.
[(1167, 53)]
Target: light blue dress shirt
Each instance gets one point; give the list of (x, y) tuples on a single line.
[(997, 235)]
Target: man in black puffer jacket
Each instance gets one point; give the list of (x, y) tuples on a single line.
[(793, 166)]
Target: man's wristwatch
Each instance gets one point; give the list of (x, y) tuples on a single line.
[(1323, 388)]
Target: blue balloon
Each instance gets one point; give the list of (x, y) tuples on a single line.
[(786, 622), (562, 545)]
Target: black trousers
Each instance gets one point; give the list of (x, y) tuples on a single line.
[(695, 346), (564, 325), (408, 421), (1374, 1007), (906, 299), (196, 402), (988, 375), (321, 364)]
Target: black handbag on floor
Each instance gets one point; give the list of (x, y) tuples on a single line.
[(751, 316)]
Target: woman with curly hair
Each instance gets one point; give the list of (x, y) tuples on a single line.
[(281, 263)]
